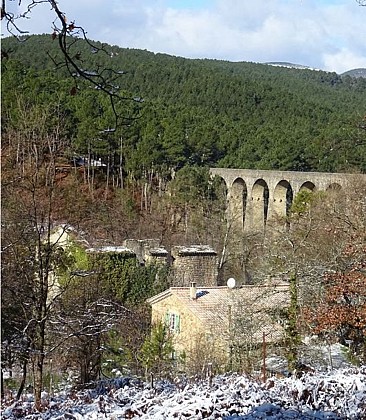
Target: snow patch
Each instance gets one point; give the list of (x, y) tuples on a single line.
[(340, 394)]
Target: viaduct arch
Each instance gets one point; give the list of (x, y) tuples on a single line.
[(256, 196)]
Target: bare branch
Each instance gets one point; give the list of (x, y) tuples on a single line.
[(68, 35)]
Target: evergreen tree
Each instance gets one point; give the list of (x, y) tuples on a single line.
[(157, 351)]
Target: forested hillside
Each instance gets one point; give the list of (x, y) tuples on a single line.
[(194, 112)]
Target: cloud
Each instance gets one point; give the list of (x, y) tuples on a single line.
[(325, 34), (343, 60)]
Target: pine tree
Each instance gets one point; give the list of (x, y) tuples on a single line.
[(157, 351)]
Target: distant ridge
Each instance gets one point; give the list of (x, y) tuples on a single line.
[(361, 72), (289, 65)]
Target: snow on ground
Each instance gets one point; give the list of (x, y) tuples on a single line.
[(339, 394)]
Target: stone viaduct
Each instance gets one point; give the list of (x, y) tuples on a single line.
[(256, 196)]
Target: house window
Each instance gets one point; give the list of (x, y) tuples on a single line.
[(173, 321)]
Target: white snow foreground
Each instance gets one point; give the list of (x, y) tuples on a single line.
[(339, 394)]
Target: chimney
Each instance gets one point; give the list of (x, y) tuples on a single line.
[(193, 291)]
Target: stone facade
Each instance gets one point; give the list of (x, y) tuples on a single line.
[(158, 256), (195, 263), (194, 343)]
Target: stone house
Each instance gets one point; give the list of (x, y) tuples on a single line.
[(209, 322)]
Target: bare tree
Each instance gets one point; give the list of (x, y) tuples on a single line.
[(80, 328), (320, 230), (256, 314), (30, 254)]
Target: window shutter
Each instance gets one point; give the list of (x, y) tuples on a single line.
[(177, 323), (167, 319)]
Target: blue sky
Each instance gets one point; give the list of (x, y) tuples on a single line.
[(189, 4), (324, 34)]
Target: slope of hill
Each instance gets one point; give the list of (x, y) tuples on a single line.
[(208, 112), (355, 73)]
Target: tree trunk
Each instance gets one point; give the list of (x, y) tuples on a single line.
[(2, 385), (38, 361), (293, 335), (84, 371), (38, 346), (24, 377)]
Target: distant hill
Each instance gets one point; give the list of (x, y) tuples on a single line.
[(355, 73), (201, 111)]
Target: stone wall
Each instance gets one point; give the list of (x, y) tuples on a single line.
[(196, 263), (142, 247), (193, 263)]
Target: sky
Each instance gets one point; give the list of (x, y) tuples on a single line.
[(323, 34)]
